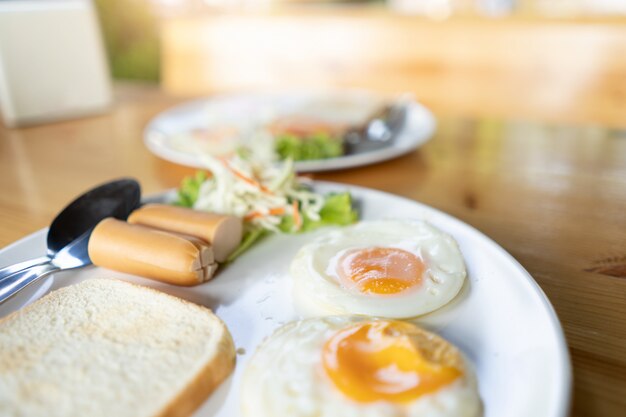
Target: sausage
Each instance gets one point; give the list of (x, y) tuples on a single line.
[(139, 250), (222, 232), (209, 271), (207, 256)]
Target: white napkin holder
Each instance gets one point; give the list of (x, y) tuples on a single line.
[(52, 61)]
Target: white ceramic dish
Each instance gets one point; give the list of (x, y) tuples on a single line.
[(165, 135), (501, 320)]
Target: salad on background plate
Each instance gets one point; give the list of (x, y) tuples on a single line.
[(308, 128)]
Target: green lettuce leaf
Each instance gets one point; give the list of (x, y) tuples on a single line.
[(337, 210), (316, 146), (189, 189)]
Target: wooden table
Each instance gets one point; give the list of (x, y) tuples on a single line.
[(558, 70), (553, 196)]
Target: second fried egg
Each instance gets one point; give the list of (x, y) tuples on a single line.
[(352, 366), (388, 268)]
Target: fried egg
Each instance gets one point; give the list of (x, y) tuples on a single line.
[(345, 366), (390, 268)]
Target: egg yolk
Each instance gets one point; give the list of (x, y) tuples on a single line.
[(375, 361), (380, 270)]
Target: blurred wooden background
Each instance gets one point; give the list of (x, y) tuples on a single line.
[(535, 68)]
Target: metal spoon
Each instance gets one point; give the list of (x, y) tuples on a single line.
[(113, 199), (69, 233), (378, 131), (71, 256)]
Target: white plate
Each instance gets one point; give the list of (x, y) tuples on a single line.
[(501, 320), (166, 135)]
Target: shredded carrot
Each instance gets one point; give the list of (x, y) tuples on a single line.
[(276, 211), (244, 177), (296, 215), (252, 215)]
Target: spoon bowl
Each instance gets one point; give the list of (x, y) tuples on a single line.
[(113, 199)]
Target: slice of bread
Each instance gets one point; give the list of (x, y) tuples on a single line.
[(110, 348)]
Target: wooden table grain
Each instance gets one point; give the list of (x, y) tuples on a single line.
[(554, 196), (561, 70)]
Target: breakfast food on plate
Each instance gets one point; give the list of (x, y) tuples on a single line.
[(301, 126), (270, 198), (140, 250), (355, 366), (110, 348), (223, 232), (304, 138), (183, 244), (388, 268)]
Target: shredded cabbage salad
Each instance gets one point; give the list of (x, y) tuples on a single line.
[(269, 197)]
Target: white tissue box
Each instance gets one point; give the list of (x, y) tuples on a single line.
[(52, 62)]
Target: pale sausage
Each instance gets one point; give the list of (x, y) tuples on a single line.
[(150, 253), (222, 232)]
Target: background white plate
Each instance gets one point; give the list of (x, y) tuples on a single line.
[(160, 136), (501, 320)]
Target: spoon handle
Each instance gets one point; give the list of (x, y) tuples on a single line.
[(12, 269), (16, 282)]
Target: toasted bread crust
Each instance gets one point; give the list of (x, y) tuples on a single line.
[(192, 388), (205, 382)]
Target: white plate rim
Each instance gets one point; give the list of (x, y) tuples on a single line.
[(564, 372), (423, 125)]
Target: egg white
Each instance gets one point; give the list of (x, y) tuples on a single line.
[(285, 377), (318, 292)]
